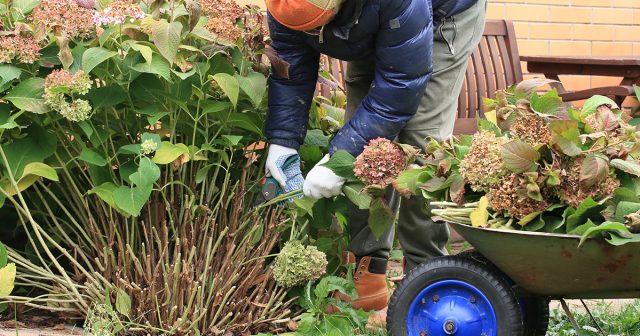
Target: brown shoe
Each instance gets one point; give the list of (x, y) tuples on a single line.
[(370, 281)]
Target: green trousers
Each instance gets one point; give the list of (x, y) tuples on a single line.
[(420, 238)]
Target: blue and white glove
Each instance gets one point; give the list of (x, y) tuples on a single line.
[(290, 177)]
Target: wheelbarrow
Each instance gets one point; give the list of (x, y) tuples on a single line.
[(503, 287)]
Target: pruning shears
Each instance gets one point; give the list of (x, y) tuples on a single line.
[(271, 187)]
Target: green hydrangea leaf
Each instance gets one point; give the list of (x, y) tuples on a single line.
[(488, 126), (587, 210), (123, 302), (148, 173), (625, 208), (627, 166), (341, 163), (166, 37), (105, 192), (316, 137), (592, 104), (306, 204), (524, 89), (566, 136), (617, 239), (553, 178), (537, 224), (4, 256), (354, 193), (254, 86), (549, 103), (94, 57), (158, 66), (28, 95), (169, 152), (610, 227), (519, 156), (594, 169), (407, 183), (381, 217), (581, 229), (229, 85), (89, 156), (132, 199)]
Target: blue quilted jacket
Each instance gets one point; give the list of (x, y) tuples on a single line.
[(400, 35)]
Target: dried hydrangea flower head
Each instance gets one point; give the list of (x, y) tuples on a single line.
[(510, 196), (64, 16), (21, 48), (381, 162), (118, 12), (223, 15), (60, 85), (573, 192), (632, 221), (483, 166), (530, 128), (296, 264)]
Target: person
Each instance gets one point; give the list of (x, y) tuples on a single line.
[(406, 65)]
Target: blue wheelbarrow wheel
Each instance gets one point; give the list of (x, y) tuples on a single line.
[(454, 296), (535, 309)]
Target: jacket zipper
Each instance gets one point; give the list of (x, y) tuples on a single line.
[(321, 35)]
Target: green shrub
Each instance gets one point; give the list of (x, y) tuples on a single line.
[(124, 154)]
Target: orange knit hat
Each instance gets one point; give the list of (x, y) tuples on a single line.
[(303, 14)]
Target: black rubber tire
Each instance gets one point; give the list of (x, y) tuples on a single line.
[(536, 308), (536, 316), (486, 279)]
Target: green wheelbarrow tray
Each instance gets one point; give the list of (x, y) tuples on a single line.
[(553, 265)]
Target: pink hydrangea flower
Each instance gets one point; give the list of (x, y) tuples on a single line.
[(65, 16), (117, 13), (89, 4), (380, 163), (21, 48)]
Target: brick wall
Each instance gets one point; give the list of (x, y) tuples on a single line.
[(574, 27)]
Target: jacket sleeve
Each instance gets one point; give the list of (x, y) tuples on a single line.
[(290, 98), (403, 67)]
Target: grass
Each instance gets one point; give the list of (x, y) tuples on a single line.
[(622, 320)]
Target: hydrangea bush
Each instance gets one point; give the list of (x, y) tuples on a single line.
[(124, 135)]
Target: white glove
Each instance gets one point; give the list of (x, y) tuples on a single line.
[(275, 158), (322, 181)]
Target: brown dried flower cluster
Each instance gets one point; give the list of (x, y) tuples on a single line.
[(483, 167), (573, 192), (223, 15), (531, 128), (21, 48), (64, 16), (510, 196)]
